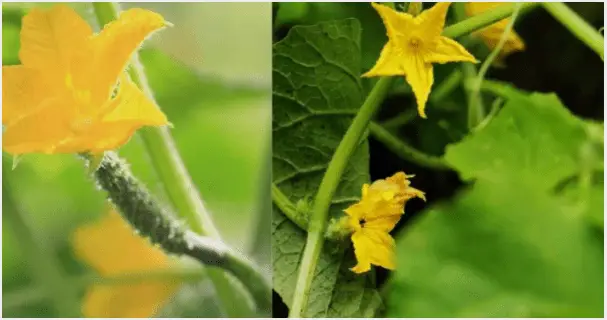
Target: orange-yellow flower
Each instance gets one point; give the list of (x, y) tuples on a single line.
[(414, 44), (112, 248), (492, 34), (64, 97), (374, 216)]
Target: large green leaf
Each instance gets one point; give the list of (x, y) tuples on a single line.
[(316, 94), (507, 250), (533, 138)]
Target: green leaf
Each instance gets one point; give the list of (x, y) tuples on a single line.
[(508, 250), (533, 138), (316, 94)]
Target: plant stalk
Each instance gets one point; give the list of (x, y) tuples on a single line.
[(580, 28), (332, 177)]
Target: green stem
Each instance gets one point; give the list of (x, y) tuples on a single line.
[(44, 266), (476, 108), (176, 180), (446, 87), (484, 19), (162, 151), (347, 145), (148, 217), (336, 230), (261, 237), (580, 28), (328, 185), (288, 208), (400, 120), (475, 91), (405, 151)]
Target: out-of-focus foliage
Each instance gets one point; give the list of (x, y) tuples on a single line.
[(512, 246), (219, 104)]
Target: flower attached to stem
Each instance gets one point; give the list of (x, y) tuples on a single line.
[(492, 34), (374, 216), (71, 93), (414, 44), (112, 248)]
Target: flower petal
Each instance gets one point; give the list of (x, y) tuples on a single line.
[(448, 50), (132, 105), (141, 300), (383, 223), (433, 20), (373, 247), (22, 92), (117, 42), (50, 38), (420, 77), (388, 64), (40, 131), (393, 20), (112, 248)]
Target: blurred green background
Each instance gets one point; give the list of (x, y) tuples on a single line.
[(211, 75)]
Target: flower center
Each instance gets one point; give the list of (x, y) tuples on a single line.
[(362, 222), (415, 43)]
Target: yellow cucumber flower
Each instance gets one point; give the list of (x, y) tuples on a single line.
[(64, 97), (414, 44), (112, 248), (492, 34), (374, 216)]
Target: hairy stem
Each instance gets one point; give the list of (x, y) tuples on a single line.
[(144, 213), (177, 183)]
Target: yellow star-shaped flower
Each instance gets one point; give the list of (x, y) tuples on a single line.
[(374, 216), (112, 248), (414, 44), (492, 34), (64, 97)]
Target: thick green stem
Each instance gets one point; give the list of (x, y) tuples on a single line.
[(328, 185), (332, 177), (176, 180), (580, 28), (162, 151), (44, 266), (144, 213), (405, 151)]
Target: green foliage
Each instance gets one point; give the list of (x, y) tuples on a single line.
[(316, 93), (498, 250), (534, 138), (518, 243)]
